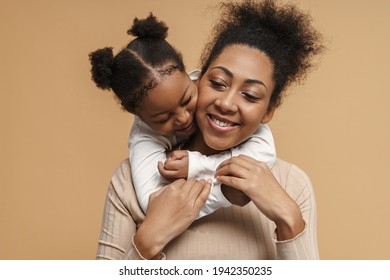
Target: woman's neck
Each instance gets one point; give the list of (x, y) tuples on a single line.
[(198, 144)]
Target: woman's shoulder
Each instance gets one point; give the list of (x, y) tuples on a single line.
[(121, 186), (283, 167), (292, 178), (122, 172)]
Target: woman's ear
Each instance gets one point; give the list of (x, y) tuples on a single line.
[(269, 115)]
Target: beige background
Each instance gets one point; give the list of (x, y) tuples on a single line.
[(62, 138)]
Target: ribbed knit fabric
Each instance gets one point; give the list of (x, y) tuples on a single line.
[(229, 233)]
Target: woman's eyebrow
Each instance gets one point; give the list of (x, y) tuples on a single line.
[(227, 72), (253, 81), (247, 81)]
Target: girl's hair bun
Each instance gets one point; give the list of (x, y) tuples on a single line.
[(149, 28), (102, 61)]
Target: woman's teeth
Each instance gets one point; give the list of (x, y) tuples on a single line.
[(221, 123)]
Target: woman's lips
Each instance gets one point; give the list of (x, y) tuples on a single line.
[(221, 124)]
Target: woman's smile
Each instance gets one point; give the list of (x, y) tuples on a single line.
[(221, 124)]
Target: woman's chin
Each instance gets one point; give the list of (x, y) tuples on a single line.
[(217, 145)]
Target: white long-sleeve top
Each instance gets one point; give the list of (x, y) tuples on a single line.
[(147, 148)]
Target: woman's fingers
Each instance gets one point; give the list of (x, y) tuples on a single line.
[(232, 169), (197, 190), (236, 166), (202, 196), (242, 160), (233, 173), (242, 173), (234, 182), (186, 196)]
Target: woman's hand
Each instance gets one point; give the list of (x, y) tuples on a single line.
[(255, 179), (235, 196), (171, 211)]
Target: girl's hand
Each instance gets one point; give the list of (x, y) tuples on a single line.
[(176, 166), (171, 211), (256, 180)]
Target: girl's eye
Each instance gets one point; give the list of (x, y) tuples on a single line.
[(164, 120), (217, 85), (187, 101)]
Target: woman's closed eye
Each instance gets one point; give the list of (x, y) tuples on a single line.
[(218, 85), (250, 96)]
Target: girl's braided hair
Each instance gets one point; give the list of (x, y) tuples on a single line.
[(138, 67)]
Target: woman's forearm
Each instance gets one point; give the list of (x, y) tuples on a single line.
[(290, 223), (148, 244), (171, 211)]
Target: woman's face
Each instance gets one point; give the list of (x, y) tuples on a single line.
[(169, 107), (234, 94)]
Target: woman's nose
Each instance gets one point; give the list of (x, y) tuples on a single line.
[(226, 102)]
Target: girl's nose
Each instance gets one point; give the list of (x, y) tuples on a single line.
[(182, 117)]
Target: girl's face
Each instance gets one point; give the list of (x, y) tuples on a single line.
[(169, 107), (234, 94)]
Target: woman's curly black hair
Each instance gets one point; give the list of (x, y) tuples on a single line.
[(284, 33), (137, 67)]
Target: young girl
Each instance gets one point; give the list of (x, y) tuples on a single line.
[(148, 77)]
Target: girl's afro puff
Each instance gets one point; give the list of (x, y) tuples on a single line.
[(102, 61), (149, 27)]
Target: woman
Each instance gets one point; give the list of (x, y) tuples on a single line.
[(258, 50), (149, 79)]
